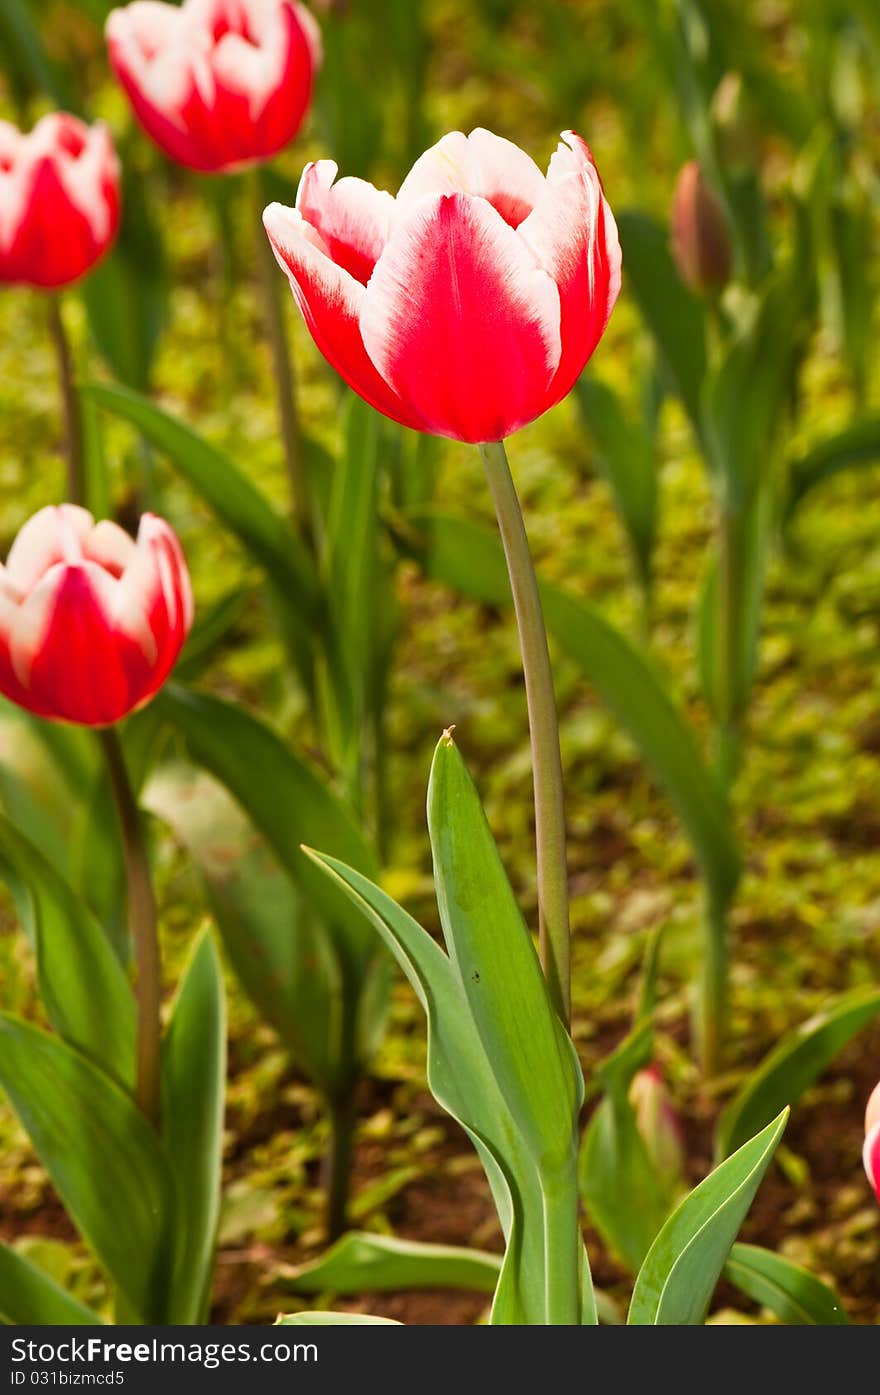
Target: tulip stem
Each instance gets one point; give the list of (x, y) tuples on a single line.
[(73, 436), (543, 729), (342, 1115), (142, 926), (282, 367)]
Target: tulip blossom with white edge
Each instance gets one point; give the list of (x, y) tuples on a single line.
[(59, 200), (91, 621), (658, 1123), (871, 1153), (469, 304), (217, 84)]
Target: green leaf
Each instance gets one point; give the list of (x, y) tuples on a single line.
[(30, 1297), (495, 960), (228, 491), (855, 447), (104, 1159), (365, 1263), (324, 1319), (627, 457), (793, 1065), (286, 800), (127, 294), (614, 1164), (676, 1282), (796, 1296), (281, 953), (82, 985), (674, 316), (470, 559), (462, 1081), (193, 1083), (747, 545), (24, 57)]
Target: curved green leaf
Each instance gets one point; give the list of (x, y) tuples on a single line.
[(282, 954), (364, 1263), (104, 1159), (286, 800), (83, 987), (31, 1297), (795, 1295), (193, 1085), (628, 460), (676, 1282), (462, 1082), (228, 491), (674, 316), (470, 559), (494, 957), (857, 446), (793, 1065)]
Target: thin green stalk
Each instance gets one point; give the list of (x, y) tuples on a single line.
[(712, 999), (342, 1114), (73, 433), (271, 285), (544, 732), (728, 735), (562, 1249), (143, 928)]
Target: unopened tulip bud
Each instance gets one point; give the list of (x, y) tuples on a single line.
[(658, 1123), (871, 1154), (700, 238)]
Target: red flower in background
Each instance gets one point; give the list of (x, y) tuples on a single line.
[(468, 305), (59, 200), (217, 84), (871, 1154), (91, 622)]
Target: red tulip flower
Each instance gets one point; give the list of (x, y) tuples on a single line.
[(871, 1154), (468, 305), (217, 84), (59, 200), (91, 622)]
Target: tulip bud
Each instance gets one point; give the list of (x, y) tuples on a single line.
[(91, 620), (871, 1154), (701, 244), (658, 1124)]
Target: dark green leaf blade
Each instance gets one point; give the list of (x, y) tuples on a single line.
[(31, 1297), (795, 1295), (103, 1158), (793, 1065), (193, 1085)]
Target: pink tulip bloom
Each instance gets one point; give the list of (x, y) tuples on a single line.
[(91, 622), (59, 200), (217, 84), (871, 1154), (701, 245), (468, 305)]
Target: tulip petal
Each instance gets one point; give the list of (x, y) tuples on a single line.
[(68, 654), (110, 546), (871, 1158), (352, 217), (573, 235), (460, 320), (329, 299), (482, 164), (54, 534)]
